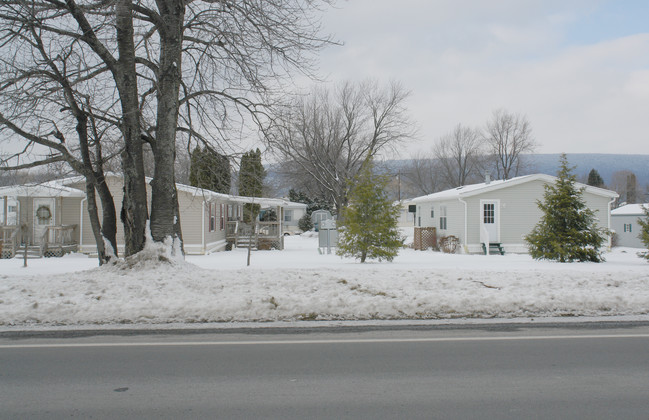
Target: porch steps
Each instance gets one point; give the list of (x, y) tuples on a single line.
[(32, 252), (494, 247), (245, 241)]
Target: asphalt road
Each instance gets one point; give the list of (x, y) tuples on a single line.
[(357, 374)]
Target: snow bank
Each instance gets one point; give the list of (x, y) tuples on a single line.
[(299, 283)]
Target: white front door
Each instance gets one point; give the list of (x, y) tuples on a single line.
[(490, 219), (43, 217)]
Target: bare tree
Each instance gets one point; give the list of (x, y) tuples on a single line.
[(422, 176), (460, 156), (326, 136), (508, 136), (44, 105), (160, 70)]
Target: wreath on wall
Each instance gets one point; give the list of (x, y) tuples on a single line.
[(43, 213)]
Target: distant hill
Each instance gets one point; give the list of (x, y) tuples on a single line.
[(605, 164)]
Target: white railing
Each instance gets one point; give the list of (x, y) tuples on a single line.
[(484, 237)]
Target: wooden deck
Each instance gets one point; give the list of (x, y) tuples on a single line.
[(261, 236), (56, 241)]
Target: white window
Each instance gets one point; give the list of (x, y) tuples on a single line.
[(442, 218), (288, 215), (489, 213), (212, 215), (432, 212), (627, 227)]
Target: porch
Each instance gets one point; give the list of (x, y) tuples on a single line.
[(54, 241), (261, 235)]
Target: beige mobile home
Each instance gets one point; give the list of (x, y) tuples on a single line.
[(41, 219), (52, 218), (498, 212)]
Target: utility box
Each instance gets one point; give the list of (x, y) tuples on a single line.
[(318, 216), (328, 235)]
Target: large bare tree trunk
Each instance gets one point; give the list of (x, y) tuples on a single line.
[(134, 207), (164, 205)]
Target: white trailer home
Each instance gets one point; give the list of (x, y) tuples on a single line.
[(498, 212)]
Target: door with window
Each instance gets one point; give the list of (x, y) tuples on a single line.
[(43, 217), (490, 219)]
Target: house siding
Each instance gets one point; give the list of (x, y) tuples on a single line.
[(69, 214), (454, 217), (518, 208), (518, 214), (628, 239), (194, 220)]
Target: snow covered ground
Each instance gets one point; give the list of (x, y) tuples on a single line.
[(299, 283)]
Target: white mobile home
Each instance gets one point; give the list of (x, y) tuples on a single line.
[(498, 212), (293, 212), (624, 221)]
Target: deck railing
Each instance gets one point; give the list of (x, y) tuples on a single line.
[(11, 239), (238, 233), (62, 240)]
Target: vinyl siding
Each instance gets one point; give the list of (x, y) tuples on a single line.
[(629, 239), (194, 219), (69, 214), (519, 213), (454, 217)]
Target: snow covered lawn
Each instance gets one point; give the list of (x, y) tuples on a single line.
[(301, 284)]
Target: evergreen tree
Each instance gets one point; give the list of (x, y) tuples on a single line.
[(305, 224), (312, 204), (369, 222), (251, 181), (210, 170), (644, 229), (567, 230), (595, 179)]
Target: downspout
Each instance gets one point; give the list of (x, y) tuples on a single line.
[(81, 225), (610, 237), (466, 224), (5, 205), (203, 226)]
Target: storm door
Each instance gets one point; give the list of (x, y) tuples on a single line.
[(490, 219)]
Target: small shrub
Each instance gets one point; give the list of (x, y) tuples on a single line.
[(448, 244), (305, 224)]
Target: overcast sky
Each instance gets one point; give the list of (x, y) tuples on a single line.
[(578, 69)]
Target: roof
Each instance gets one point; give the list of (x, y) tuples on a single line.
[(60, 188), (206, 194), (629, 210), (475, 189), (48, 189)]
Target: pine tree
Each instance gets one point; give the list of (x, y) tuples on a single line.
[(644, 229), (251, 181), (313, 204), (369, 222), (595, 179), (567, 230), (210, 170)]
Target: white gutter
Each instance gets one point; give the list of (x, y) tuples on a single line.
[(81, 226), (610, 237), (466, 225), (203, 226)]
